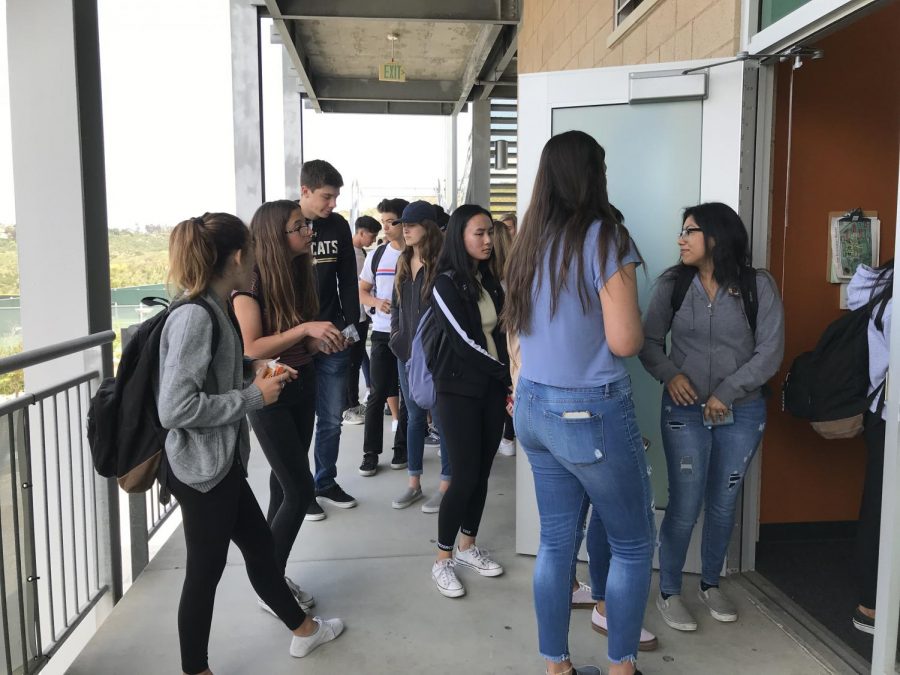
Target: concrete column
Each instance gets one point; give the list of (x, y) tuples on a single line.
[(293, 129), (454, 163), (59, 176), (480, 180), (246, 109)]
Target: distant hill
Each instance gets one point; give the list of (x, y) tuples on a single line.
[(135, 258)]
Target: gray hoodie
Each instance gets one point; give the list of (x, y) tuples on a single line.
[(204, 398), (862, 286), (711, 341)]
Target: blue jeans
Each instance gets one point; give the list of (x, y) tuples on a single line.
[(417, 429), (331, 389), (595, 460), (705, 465)]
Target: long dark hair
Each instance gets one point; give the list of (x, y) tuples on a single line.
[(454, 257), (569, 196), (288, 281), (725, 238), (429, 249)]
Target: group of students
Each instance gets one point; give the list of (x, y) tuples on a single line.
[(537, 326)]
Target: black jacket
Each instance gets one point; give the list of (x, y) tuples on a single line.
[(335, 262), (407, 308), (461, 363)]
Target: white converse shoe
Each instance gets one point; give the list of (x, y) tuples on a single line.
[(444, 574), (582, 598), (478, 560), (327, 630), (507, 448)]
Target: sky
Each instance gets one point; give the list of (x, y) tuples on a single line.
[(166, 77)]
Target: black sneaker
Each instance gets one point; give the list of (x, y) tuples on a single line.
[(399, 460), (369, 464), (863, 623), (336, 496), (314, 512)]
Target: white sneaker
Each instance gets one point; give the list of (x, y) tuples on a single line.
[(582, 598), (394, 426), (478, 560), (648, 642), (507, 448), (328, 630), (444, 574), (304, 599), (355, 415)]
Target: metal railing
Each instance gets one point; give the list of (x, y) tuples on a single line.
[(60, 549)]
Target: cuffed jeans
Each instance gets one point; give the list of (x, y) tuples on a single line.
[(417, 429), (595, 460), (706, 465), (331, 390)]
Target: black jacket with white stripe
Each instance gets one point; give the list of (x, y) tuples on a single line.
[(461, 363)]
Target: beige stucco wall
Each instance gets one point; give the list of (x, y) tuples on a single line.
[(569, 34)]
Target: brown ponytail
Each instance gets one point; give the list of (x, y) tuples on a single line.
[(199, 249)]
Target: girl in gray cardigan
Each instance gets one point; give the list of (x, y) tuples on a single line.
[(203, 400), (713, 411)]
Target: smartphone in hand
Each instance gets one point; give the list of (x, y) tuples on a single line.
[(710, 423)]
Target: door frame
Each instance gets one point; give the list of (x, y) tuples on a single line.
[(729, 143)]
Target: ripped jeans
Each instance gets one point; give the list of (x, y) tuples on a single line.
[(705, 465)]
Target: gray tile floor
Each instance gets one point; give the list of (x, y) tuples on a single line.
[(371, 566)]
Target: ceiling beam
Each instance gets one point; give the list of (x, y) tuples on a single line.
[(366, 89), (482, 48), (387, 107), (508, 44), (297, 54), (457, 11)]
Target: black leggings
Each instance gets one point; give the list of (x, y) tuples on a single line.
[(385, 383), (285, 430), (471, 428), (228, 512), (357, 356), (869, 532)]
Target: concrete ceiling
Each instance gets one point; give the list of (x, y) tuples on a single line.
[(452, 52)]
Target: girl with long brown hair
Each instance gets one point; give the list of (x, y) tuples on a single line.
[(573, 294), (203, 398), (275, 311), (416, 269)]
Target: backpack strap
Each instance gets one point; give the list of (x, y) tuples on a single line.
[(216, 331), (376, 258), (684, 276), (749, 296)]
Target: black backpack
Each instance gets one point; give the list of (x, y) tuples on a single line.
[(123, 428), (684, 276), (829, 386), (376, 258)]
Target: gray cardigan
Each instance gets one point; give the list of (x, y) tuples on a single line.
[(203, 398), (711, 341)]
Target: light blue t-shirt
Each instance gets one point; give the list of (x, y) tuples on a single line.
[(570, 349)]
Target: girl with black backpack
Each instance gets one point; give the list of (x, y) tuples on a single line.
[(203, 399), (875, 286), (713, 410)]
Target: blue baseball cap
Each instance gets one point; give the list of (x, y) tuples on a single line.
[(416, 212)]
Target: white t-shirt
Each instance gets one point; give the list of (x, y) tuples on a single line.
[(383, 282)]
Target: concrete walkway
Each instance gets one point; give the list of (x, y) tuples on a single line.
[(371, 566)]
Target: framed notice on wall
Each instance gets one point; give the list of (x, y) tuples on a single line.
[(853, 240)]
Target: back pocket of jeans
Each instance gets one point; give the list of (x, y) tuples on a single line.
[(577, 440)]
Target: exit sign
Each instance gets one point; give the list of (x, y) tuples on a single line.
[(392, 72)]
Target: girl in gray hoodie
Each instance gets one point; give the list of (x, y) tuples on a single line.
[(203, 401), (713, 411)]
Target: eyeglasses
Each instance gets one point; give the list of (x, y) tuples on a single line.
[(688, 231), (302, 226)]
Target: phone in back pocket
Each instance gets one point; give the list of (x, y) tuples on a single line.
[(724, 422)]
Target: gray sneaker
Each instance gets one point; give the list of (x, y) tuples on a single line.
[(407, 498), (719, 604), (433, 505), (355, 415), (675, 613)]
